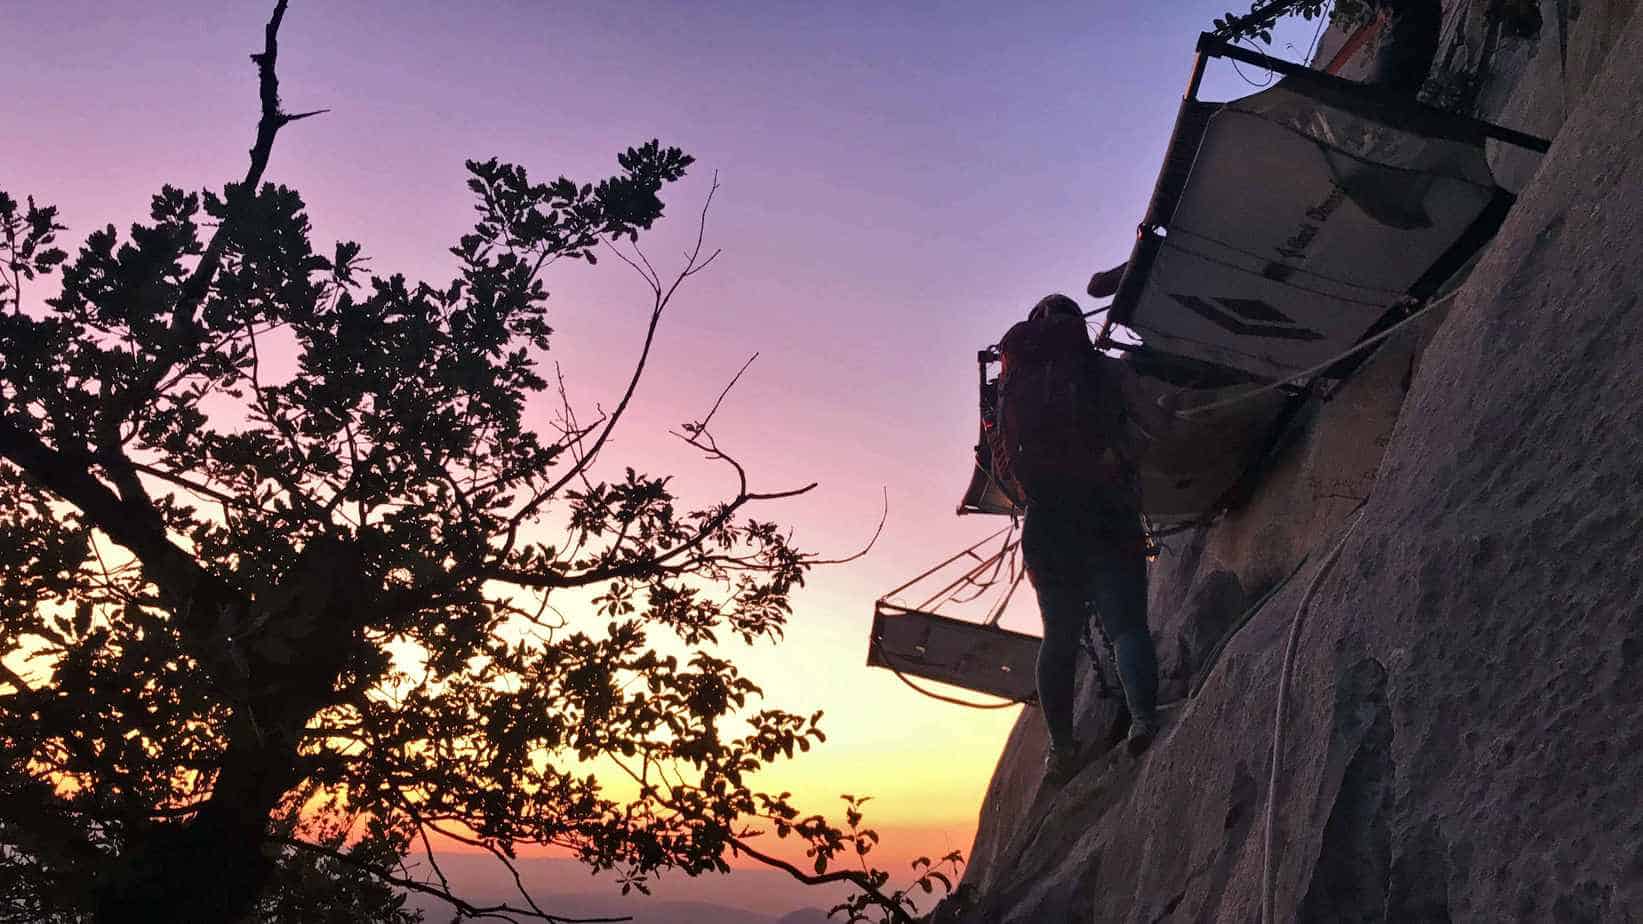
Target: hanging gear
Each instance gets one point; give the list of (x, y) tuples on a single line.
[(1105, 688), (922, 642)]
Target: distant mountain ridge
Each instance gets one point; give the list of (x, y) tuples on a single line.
[(642, 909), (565, 887)]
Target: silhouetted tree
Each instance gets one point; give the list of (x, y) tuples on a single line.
[(1264, 14), (277, 545)]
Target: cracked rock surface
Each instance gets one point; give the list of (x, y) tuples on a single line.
[(1464, 735)]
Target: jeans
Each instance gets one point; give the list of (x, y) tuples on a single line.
[(1089, 554)]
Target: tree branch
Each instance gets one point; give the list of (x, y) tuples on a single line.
[(660, 563), (855, 877), (33, 818), (701, 425), (136, 527), (198, 284), (132, 521), (502, 910), (659, 304), (884, 516)]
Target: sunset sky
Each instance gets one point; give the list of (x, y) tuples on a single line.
[(899, 182)]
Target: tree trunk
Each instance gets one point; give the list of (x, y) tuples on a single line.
[(213, 867)]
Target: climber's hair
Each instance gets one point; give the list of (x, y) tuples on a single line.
[(1055, 305)]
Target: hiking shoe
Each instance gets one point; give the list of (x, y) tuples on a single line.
[(1142, 731), (1060, 765)]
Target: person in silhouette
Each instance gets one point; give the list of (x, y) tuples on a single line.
[(1059, 441)]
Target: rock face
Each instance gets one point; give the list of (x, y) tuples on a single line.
[(1463, 735)]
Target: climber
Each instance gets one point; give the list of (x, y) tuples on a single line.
[(1058, 441)]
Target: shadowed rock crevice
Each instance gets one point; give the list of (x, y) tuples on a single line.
[(1351, 878), (1207, 881), (1586, 903), (1242, 810), (1212, 609), (1419, 885)]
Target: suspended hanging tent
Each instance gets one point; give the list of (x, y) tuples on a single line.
[(1287, 230), (911, 638)]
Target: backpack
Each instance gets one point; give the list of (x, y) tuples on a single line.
[(1052, 428)]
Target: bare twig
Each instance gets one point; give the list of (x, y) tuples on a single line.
[(701, 425), (659, 304), (496, 854), (884, 515), (501, 911)]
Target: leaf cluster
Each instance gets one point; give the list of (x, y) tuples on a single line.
[(275, 525), (1256, 25)]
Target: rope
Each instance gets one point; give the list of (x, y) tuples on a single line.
[(969, 551), (1324, 15), (1270, 75), (1308, 373), (995, 482), (1178, 231), (1105, 688), (1268, 849), (1164, 532), (1563, 49), (998, 611), (1220, 648), (951, 592), (955, 593)]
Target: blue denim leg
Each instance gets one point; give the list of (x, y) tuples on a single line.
[(1061, 606), (1082, 557), (1118, 591)]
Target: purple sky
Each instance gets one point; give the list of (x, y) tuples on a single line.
[(899, 183)]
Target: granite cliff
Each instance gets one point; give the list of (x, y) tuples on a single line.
[(1463, 720)]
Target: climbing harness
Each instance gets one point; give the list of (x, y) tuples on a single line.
[(1104, 688)]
